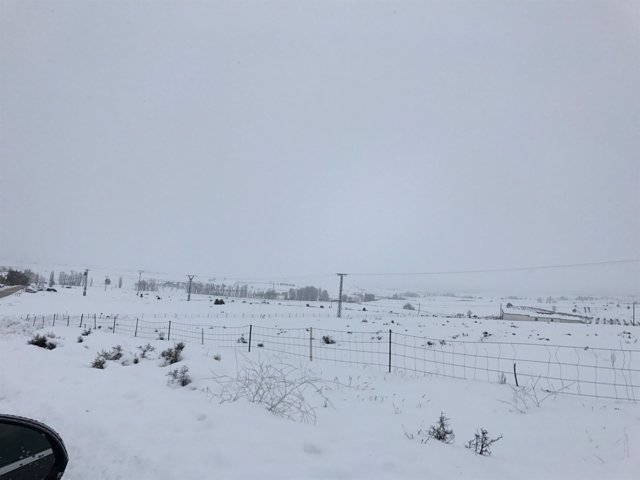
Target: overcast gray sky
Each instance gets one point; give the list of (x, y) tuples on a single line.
[(262, 139)]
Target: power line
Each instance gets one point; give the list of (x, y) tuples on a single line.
[(509, 269)]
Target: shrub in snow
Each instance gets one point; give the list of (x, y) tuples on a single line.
[(80, 339), (408, 306), (280, 388), (242, 339), (217, 357), (524, 396), (481, 443), (160, 335), (99, 362), (173, 355), (502, 378), (144, 351), (136, 360), (114, 354), (441, 431), (328, 340), (179, 376), (86, 332), (43, 341)]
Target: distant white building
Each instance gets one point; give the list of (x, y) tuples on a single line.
[(535, 314)]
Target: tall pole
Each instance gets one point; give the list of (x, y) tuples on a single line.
[(139, 280), (86, 280), (341, 275), (190, 277)]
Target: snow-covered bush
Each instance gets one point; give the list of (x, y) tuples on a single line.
[(408, 306), (173, 355), (524, 396), (441, 431), (114, 354), (217, 357), (43, 341), (144, 351), (328, 340), (481, 443), (99, 362), (280, 388), (179, 376)]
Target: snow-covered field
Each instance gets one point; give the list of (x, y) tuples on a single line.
[(126, 422)]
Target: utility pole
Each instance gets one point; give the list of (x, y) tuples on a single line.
[(86, 280), (190, 277), (341, 275), (139, 280)]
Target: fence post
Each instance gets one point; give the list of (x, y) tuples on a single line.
[(202, 336), (135, 334), (114, 324), (68, 318), (389, 350), (81, 317), (311, 344), (169, 333), (515, 374), (95, 323), (250, 331), (54, 320)]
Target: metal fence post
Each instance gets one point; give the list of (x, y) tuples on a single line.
[(135, 334), (68, 318), (81, 317), (250, 331), (169, 333), (202, 335), (311, 344), (114, 324), (54, 320), (389, 350)]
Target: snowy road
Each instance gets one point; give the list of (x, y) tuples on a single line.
[(5, 292)]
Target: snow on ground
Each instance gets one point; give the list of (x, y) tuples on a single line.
[(126, 422)]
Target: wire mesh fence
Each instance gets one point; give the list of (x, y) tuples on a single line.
[(608, 373)]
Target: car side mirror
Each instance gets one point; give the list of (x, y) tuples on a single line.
[(30, 450)]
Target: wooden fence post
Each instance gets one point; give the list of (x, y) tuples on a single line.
[(169, 333), (389, 350), (135, 334), (250, 331), (202, 336), (81, 318), (311, 344), (114, 324)]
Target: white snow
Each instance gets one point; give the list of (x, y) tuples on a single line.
[(125, 421)]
